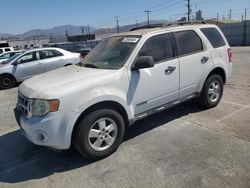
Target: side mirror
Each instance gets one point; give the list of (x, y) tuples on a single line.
[(143, 62)]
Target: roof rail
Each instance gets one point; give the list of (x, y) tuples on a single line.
[(147, 26), (186, 23)]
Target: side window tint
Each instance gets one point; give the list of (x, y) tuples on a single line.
[(49, 54), (7, 49), (214, 37), (189, 42), (158, 47), (5, 56), (31, 56)]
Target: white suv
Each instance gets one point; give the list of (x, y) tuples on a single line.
[(127, 77)]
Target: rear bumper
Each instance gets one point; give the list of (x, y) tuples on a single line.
[(54, 130)]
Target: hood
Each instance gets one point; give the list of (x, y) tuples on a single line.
[(61, 81)]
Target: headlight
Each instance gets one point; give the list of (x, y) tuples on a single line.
[(39, 107)]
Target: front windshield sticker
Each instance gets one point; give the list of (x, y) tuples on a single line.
[(130, 40)]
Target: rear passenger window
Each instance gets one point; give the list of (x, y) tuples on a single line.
[(7, 49), (49, 54), (214, 37), (158, 47), (189, 42)]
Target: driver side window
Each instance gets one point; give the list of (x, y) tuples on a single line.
[(158, 47), (31, 56)]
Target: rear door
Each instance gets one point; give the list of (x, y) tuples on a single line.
[(51, 59), (195, 61)]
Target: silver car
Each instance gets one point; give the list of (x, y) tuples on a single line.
[(34, 62)]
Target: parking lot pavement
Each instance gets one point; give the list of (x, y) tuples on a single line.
[(185, 146)]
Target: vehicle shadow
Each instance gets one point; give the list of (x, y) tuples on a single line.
[(21, 160)]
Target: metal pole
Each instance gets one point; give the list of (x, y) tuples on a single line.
[(245, 14), (189, 9), (230, 14), (88, 29), (117, 24), (217, 18), (245, 29), (148, 11)]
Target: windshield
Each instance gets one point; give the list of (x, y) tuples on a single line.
[(112, 53), (10, 59)]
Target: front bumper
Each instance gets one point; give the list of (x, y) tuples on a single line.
[(54, 130)]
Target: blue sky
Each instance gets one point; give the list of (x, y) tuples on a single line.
[(18, 16)]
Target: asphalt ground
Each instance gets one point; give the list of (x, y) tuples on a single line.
[(185, 146)]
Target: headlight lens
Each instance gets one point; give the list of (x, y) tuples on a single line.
[(39, 107)]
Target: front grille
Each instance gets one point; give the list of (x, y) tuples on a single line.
[(23, 104)]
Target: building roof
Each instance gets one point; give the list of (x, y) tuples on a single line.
[(222, 21)]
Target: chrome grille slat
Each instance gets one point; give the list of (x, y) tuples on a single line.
[(22, 104)]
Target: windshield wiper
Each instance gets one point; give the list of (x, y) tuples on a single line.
[(90, 66)]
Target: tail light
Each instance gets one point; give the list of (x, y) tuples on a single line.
[(230, 55)]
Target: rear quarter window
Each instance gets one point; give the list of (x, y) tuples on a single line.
[(214, 37)]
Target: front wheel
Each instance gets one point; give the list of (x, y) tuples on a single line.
[(7, 81), (99, 134), (212, 91)]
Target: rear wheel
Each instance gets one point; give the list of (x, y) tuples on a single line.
[(99, 134), (7, 81), (212, 91)]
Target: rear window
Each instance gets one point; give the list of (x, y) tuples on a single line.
[(189, 42), (214, 37)]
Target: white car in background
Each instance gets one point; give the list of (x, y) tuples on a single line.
[(5, 56), (34, 62), (6, 49)]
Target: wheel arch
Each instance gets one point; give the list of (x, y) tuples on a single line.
[(9, 74), (104, 104), (220, 71)]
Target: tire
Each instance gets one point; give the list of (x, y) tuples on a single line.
[(212, 91), (92, 136), (7, 81)]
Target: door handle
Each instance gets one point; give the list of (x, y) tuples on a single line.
[(204, 59), (170, 69)]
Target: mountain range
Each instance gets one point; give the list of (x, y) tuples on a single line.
[(60, 31)]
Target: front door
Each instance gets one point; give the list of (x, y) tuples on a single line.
[(27, 66), (153, 87)]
